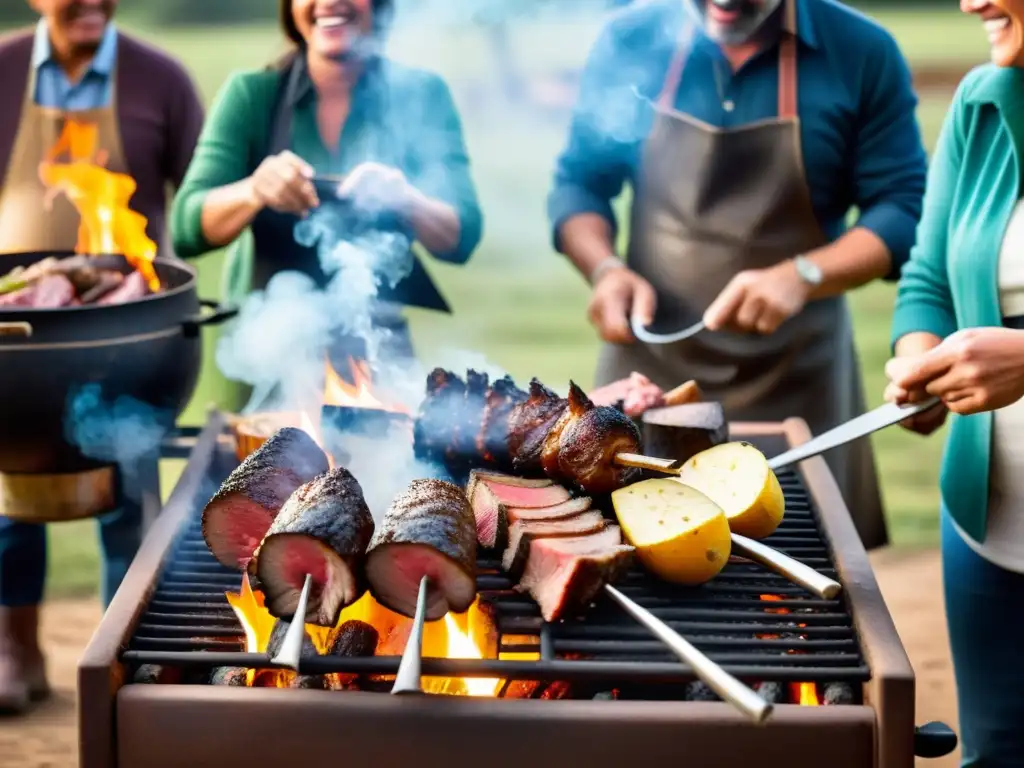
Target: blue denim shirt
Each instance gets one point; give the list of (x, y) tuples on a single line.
[(861, 142), (53, 89)]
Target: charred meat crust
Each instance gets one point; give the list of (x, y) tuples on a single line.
[(432, 513), (529, 424), (590, 572), (332, 510), (266, 478), (589, 442)]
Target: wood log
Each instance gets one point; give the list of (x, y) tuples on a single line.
[(682, 431)]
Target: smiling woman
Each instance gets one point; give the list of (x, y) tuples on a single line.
[(334, 108), (958, 334)]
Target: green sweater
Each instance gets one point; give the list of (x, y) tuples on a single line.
[(951, 280), (418, 130)]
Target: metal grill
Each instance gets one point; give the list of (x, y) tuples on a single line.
[(188, 622)]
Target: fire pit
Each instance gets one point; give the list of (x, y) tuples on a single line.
[(511, 688)]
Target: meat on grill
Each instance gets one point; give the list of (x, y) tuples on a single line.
[(133, 288), (566, 509), (238, 517), (429, 530), (523, 532), (490, 495), (564, 575), (53, 291), (532, 434), (322, 530)]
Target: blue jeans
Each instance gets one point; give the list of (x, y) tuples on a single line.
[(985, 614), (23, 556)]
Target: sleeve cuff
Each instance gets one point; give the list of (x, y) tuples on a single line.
[(566, 202), (187, 226), (896, 229), (921, 319)]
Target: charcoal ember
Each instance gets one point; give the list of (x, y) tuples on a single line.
[(772, 692), (355, 639), (699, 691), (606, 696), (519, 689), (308, 682), (156, 674), (230, 676), (277, 635), (838, 694), (557, 690)]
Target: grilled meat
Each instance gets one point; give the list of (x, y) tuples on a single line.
[(488, 509), (528, 427), (563, 575), (133, 288), (322, 530), (589, 442), (534, 435), (568, 508), (525, 497), (107, 281), (240, 514), (523, 532), (53, 291), (429, 530)]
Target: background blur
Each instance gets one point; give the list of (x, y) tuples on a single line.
[(513, 76)]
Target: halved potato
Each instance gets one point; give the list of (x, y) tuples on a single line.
[(737, 477), (680, 534)]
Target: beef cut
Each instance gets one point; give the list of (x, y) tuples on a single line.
[(523, 532), (429, 530), (322, 530), (238, 517)]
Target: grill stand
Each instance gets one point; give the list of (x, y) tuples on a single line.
[(172, 725)]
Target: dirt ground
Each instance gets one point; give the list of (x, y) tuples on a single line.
[(911, 585)]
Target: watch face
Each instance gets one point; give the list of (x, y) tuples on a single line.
[(808, 270)]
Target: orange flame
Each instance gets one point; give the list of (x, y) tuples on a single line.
[(101, 197), (358, 393), (806, 694), (469, 635)]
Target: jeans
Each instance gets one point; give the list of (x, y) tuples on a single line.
[(985, 615), (23, 556)]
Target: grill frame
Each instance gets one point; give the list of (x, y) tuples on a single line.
[(890, 688)]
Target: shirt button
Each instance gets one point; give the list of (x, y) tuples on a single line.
[(728, 106)]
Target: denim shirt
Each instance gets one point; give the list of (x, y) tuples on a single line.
[(53, 89)]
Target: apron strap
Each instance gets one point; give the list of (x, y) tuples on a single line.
[(281, 120), (787, 71)]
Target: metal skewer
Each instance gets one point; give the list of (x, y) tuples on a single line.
[(790, 568), (745, 699), (408, 678), (290, 652)]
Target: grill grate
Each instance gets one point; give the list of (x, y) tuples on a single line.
[(188, 621)]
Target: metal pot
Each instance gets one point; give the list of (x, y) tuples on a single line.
[(148, 350)]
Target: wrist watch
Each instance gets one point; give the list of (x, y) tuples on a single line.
[(808, 271)]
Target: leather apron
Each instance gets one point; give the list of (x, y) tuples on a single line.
[(710, 203), (26, 225)]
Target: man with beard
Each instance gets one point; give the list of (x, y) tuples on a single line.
[(147, 115), (748, 130)]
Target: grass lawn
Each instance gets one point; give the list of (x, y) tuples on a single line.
[(516, 301)]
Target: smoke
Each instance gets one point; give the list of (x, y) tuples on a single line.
[(124, 431)]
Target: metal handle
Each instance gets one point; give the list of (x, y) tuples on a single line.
[(792, 569), (192, 325), (408, 678), (24, 330), (933, 740), (642, 334), (717, 679)]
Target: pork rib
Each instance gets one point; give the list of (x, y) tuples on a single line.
[(429, 530), (322, 530), (238, 517)]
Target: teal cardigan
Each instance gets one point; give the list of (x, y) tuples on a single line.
[(951, 279)]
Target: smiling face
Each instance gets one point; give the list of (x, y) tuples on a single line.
[(333, 28), (733, 22), (77, 25), (1004, 24)]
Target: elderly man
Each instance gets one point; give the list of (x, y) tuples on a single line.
[(147, 115), (748, 130)]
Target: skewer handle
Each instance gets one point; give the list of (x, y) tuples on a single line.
[(291, 647), (721, 682), (816, 583), (665, 466), (408, 679)]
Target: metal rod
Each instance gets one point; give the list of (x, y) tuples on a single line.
[(808, 578), (717, 679), (408, 679), (291, 647)]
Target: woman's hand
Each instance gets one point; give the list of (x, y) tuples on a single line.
[(379, 187), (284, 183), (908, 350), (974, 370)]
